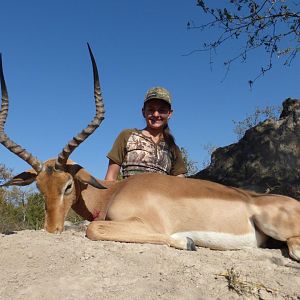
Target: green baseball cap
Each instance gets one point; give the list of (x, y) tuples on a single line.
[(158, 93)]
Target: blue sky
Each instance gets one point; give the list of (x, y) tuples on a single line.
[(137, 44)]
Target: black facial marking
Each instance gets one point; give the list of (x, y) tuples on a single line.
[(49, 170)]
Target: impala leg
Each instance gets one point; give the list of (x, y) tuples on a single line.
[(294, 247), (133, 231)]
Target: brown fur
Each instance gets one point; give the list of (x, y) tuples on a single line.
[(149, 208)]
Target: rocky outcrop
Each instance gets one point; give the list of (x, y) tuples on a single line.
[(266, 159)]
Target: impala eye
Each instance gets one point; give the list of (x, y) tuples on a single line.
[(69, 188)]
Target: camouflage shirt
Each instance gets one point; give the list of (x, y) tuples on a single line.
[(137, 153)]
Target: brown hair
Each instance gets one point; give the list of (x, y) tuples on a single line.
[(169, 138)]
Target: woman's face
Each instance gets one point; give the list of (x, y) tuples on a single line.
[(156, 113)]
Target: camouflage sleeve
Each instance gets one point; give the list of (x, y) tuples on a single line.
[(178, 165), (118, 151)]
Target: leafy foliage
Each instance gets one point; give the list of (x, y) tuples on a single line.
[(191, 165), (19, 209), (273, 25), (5, 173), (34, 212), (18, 216)]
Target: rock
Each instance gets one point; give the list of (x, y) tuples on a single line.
[(80, 226), (266, 159)]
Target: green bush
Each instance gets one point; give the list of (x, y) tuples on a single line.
[(29, 215), (19, 209), (34, 212), (9, 216)]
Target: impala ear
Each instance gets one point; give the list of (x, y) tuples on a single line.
[(22, 179), (82, 175), (85, 177)]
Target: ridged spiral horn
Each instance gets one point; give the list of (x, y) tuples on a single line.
[(85, 133), (4, 139)]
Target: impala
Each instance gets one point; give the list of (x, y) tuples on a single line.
[(153, 208)]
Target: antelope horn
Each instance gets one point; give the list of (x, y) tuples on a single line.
[(84, 134), (4, 139)]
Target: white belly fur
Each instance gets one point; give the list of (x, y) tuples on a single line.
[(220, 240)]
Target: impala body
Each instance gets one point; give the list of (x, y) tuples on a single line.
[(154, 208)]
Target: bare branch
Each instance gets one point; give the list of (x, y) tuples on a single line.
[(272, 25)]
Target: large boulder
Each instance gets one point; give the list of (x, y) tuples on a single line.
[(266, 159)]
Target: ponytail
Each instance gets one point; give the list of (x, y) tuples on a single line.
[(168, 137)]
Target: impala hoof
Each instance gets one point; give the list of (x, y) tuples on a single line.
[(294, 247), (190, 245)]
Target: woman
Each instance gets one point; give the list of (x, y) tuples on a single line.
[(152, 149)]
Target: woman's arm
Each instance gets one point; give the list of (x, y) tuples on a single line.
[(113, 171)]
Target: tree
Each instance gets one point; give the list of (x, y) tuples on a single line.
[(5, 173), (259, 115), (19, 208), (209, 148), (272, 25), (34, 211), (191, 165)]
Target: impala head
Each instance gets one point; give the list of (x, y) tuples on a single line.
[(57, 179)]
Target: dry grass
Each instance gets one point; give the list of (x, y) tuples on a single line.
[(242, 286)]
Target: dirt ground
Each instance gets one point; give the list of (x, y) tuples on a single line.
[(39, 265)]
